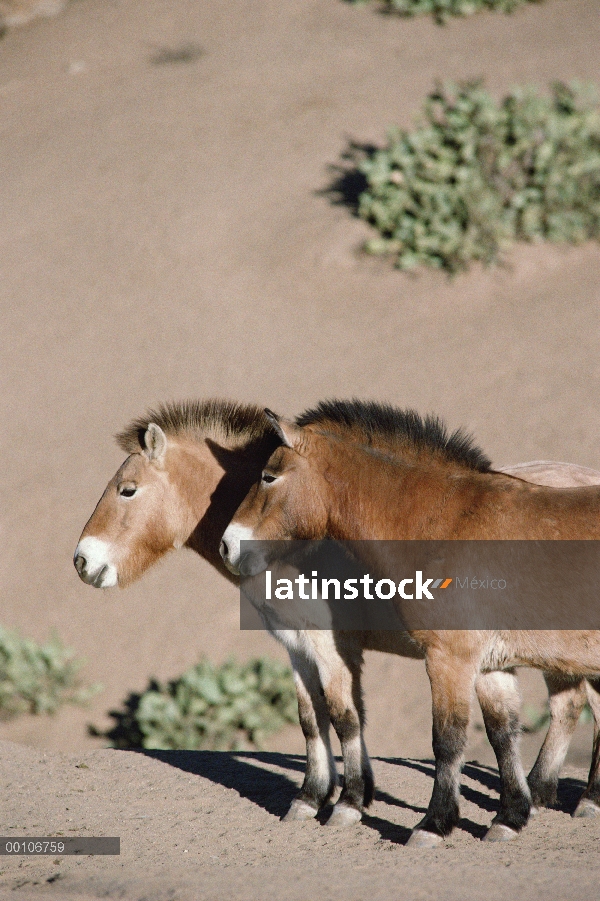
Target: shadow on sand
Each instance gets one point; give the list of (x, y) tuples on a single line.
[(249, 773), (347, 182)]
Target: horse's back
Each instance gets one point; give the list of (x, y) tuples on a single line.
[(554, 475)]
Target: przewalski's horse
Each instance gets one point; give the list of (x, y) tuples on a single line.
[(317, 485), (401, 433), (189, 468)]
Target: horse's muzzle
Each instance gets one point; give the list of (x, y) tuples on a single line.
[(93, 565), (228, 559)]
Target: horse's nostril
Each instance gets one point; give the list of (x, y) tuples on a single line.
[(80, 563), (224, 550)]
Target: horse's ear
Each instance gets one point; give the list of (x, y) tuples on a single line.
[(155, 442), (284, 430)]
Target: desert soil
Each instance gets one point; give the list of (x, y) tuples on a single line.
[(168, 231)]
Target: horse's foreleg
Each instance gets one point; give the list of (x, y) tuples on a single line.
[(320, 779), (500, 700), (567, 699), (589, 804), (340, 672), (452, 682)]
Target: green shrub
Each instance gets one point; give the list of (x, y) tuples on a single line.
[(38, 678), (228, 707), (477, 175), (443, 9)]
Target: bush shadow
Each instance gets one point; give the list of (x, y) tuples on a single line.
[(347, 181)]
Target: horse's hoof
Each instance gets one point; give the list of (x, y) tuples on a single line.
[(420, 838), (533, 811), (299, 810), (498, 832), (587, 808), (344, 816)]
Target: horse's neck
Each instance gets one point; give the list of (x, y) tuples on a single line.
[(216, 489), (376, 498)]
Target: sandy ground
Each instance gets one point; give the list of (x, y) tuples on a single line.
[(167, 232), (205, 825)]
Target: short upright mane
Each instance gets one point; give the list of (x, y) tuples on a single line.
[(227, 422), (378, 422)]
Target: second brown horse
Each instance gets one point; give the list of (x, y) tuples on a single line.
[(316, 485)]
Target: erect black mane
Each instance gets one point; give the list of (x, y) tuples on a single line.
[(234, 424), (380, 420)]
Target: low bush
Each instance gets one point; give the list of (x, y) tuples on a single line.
[(228, 707), (477, 175), (443, 9), (38, 678)]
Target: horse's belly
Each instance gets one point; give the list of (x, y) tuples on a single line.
[(392, 642), (572, 652)]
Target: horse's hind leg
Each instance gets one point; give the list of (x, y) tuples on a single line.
[(340, 663), (500, 700), (589, 804), (320, 779), (567, 699)]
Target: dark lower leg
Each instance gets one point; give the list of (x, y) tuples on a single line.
[(499, 697), (589, 805), (320, 779), (346, 711), (359, 785), (451, 688), (567, 699), (448, 747)]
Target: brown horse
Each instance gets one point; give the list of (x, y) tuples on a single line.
[(189, 467), (317, 485)]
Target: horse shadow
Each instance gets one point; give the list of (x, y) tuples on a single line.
[(486, 777), (246, 773), (241, 771), (568, 794)]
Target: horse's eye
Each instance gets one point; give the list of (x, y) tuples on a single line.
[(268, 478), (127, 491)]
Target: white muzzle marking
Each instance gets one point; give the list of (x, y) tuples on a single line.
[(93, 562), (230, 545)]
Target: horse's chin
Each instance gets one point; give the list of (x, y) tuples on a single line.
[(251, 565), (106, 578), (232, 567)]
